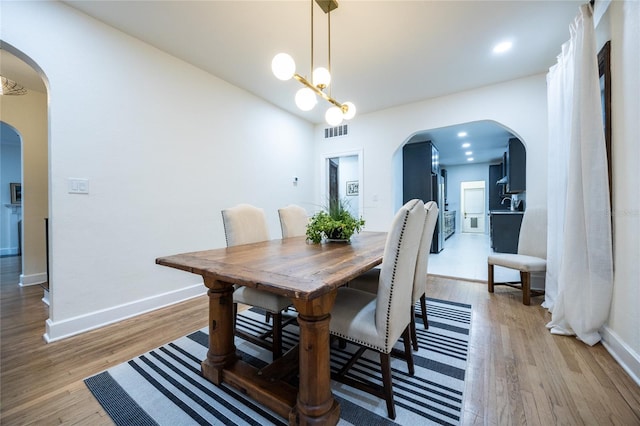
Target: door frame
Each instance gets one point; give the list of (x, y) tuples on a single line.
[(477, 184), (324, 176)]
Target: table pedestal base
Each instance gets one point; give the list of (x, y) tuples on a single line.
[(222, 350), (330, 418), (312, 403), (315, 404)]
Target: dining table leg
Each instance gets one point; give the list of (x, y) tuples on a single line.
[(222, 349), (315, 404)]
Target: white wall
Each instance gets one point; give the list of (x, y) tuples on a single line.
[(622, 334), (162, 160), (519, 105)]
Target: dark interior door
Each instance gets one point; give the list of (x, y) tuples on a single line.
[(333, 184)]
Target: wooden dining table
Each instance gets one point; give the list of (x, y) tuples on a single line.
[(309, 274)]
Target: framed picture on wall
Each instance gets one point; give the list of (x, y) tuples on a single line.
[(352, 187), (16, 193)]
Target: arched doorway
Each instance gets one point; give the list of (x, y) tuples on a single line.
[(28, 115), (465, 154)]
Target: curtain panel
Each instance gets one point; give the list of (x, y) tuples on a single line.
[(579, 278)]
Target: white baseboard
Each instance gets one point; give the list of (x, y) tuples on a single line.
[(622, 353), (59, 330), (33, 279)]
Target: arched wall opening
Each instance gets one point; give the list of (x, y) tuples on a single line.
[(28, 115), (465, 154), (488, 141)]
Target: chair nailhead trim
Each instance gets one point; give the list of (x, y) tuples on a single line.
[(361, 343), (393, 275), (386, 349)]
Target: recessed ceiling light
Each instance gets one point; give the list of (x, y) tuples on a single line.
[(470, 159), (502, 47), (466, 145), (462, 134), (468, 153)]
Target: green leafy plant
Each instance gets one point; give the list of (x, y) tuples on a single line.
[(334, 223)]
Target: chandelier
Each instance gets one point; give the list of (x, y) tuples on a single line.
[(10, 87), (284, 68)]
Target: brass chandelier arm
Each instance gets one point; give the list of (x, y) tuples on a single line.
[(320, 93), (284, 67)]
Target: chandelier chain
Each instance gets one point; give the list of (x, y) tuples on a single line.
[(329, 44), (311, 70)]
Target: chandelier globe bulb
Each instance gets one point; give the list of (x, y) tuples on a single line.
[(321, 77), (351, 110), (333, 116), (283, 66), (306, 99)]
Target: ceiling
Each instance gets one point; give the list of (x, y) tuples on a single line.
[(383, 53), (488, 140)]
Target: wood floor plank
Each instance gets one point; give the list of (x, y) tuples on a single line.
[(542, 407), (518, 373)]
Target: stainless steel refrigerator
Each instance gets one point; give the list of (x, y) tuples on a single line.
[(421, 179), (437, 191)]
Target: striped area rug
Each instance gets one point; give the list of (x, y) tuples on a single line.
[(164, 386)]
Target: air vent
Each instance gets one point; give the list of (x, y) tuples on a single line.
[(332, 132)]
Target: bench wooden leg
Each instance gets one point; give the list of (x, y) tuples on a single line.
[(490, 277), (525, 279)]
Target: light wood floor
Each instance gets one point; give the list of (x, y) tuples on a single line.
[(518, 373)]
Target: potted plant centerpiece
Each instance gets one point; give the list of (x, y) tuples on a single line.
[(333, 224)]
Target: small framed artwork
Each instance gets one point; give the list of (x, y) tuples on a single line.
[(352, 188), (16, 193)]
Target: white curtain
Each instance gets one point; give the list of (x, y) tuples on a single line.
[(579, 278)]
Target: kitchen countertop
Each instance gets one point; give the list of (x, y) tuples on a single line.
[(505, 212)]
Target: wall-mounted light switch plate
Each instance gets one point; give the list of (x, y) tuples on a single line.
[(78, 186)]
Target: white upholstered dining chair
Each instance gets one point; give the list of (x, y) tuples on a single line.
[(246, 224), (422, 263), (531, 256), (369, 280), (293, 221), (376, 321)]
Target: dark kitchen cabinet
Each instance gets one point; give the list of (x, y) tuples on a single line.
[(418, 165), (421, 179), (516, 167), (505, 231)]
